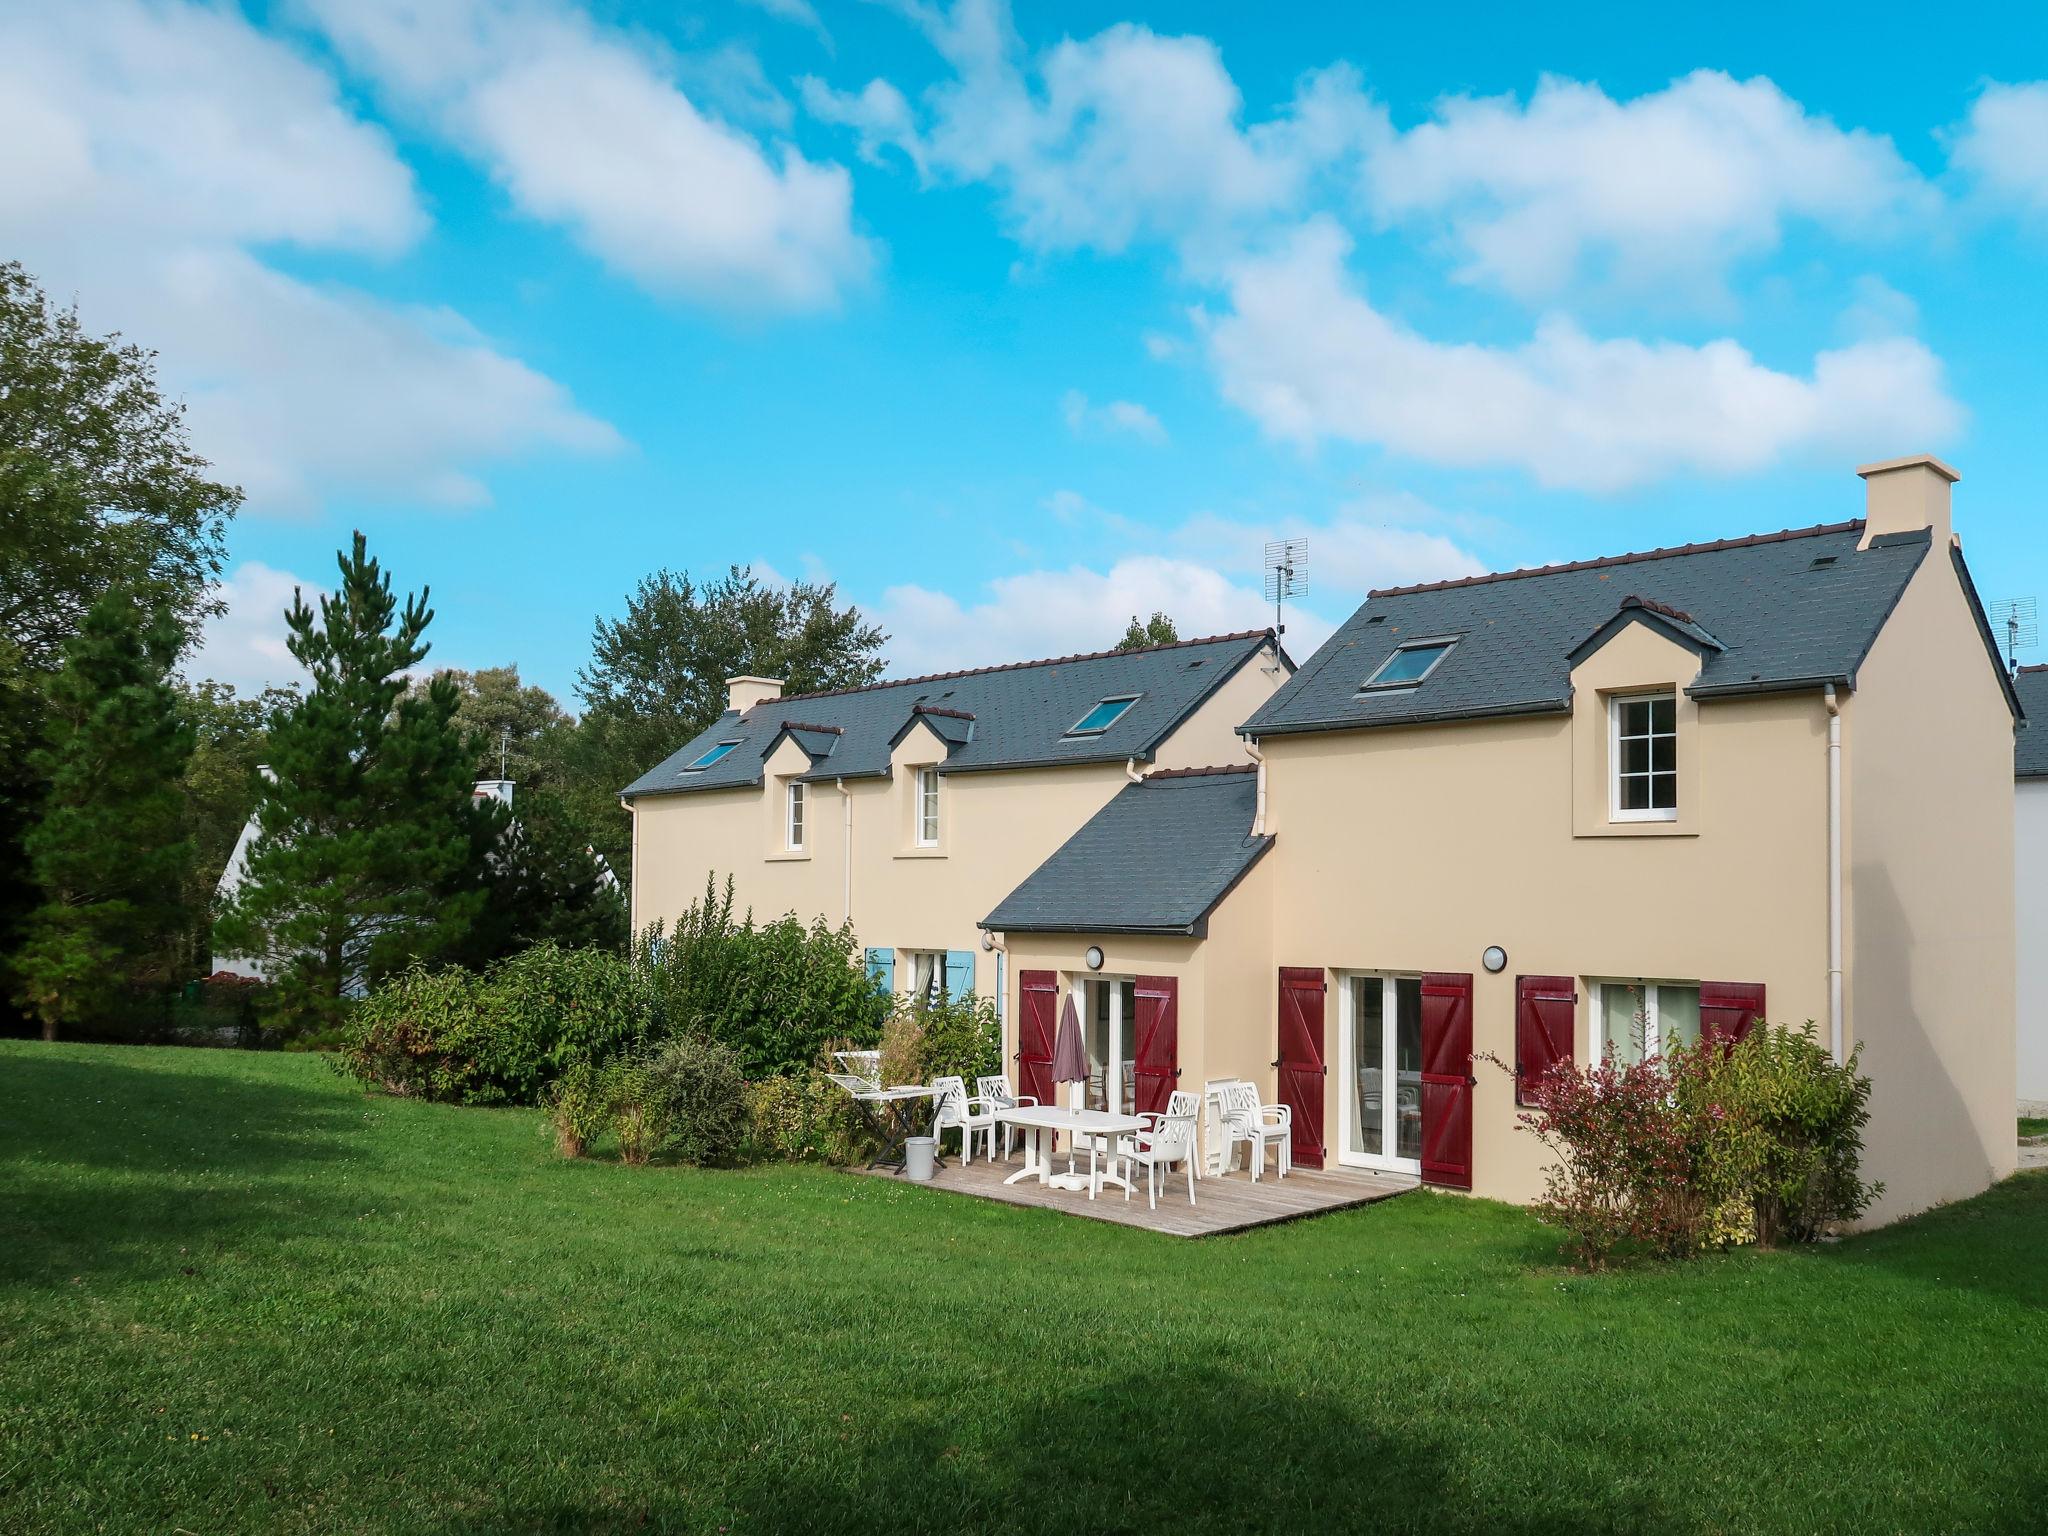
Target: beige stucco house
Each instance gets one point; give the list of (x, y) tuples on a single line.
[(1571, 811), (909, 808)]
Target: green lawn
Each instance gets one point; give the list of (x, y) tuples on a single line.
[(236, 1295), (2031, 1126)]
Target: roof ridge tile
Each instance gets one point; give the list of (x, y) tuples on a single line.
[(1604, 562), (1201, 773), (1019, 666)]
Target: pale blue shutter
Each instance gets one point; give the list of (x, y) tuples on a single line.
[(882, 969), (959, 973)]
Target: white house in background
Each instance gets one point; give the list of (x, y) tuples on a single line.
[(2030, 859), (237, 871)]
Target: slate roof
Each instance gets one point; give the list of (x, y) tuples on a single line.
[(2030, 752), (1011, 716), (1772, 611), (1157, 859)]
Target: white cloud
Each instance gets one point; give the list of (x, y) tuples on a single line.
[(1060, 612), (798, 13), (1674, 185), (586, 127), (148, 148), (2003, 145), (245, 645), (1118, 418), (1357, 549), (1102, 142), (1305, 354)]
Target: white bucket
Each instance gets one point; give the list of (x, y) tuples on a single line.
[(918, 1153)]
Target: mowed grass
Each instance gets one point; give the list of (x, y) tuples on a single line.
[(238, 1295)]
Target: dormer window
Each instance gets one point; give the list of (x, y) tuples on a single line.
[(927, 807), (793, 825), (712, 756), (1643, 752), (1105, 714), (1409, 664)]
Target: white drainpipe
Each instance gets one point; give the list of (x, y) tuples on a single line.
[(1131, 771), (633, 875), (1259, 814), (846, 806), (1835, 1030)]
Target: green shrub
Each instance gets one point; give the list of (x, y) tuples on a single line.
[(701, 1095), (1790, 1128), (579, 1108), (639, 1116), (1703, 1146), (948, 1037), (805, 1117), (420, 1034), (552, 1007), (500, 1038), (777, 993)]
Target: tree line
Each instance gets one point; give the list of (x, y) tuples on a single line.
[(125, 786)]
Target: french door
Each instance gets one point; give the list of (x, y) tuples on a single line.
[(1379, 1100), (1109, 1031)]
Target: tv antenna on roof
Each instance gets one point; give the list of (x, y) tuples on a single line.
[(2015, 618), (1286, 576)]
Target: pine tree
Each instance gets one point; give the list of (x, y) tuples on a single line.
[(108, 853), (370, 851)]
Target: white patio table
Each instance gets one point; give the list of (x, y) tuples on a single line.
[(1045, 1122)]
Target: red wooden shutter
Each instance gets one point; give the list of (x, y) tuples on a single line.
[(1546, 1022), (1301, 1060), (1729, 1010), (1447, 1080), (1157, 1038), (1038, 995)]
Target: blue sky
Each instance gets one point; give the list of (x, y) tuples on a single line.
[(1014, 325)]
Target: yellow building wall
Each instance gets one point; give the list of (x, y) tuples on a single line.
[(1931, 933), (996, 828), (1409, 850)]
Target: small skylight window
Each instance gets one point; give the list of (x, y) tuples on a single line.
[(712, 756), (1410, 664), (1102, 716)]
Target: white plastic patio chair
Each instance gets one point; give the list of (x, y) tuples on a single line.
[(1167, 1139), (996, 1090), (1259, 1126), (954, 1109)]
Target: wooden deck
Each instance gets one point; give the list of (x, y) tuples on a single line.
[(1232, 1203)]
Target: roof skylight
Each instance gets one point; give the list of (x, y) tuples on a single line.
[(712, 756), (1102, 716), (1409, 664)]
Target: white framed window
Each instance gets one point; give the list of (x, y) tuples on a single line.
[(793, 827), (1632, 1020), (927, 974), (1102, 716), (1410, 664), (1379, 1062), (927, 807), (1642, 755)]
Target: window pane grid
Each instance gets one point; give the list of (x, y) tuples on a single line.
[(1646, 755), (796, 815), (928, 806)]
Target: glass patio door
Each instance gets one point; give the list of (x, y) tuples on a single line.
[(1106, 1030), (1380, 1040)]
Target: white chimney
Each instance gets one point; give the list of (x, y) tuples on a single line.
[(743, 693), (499, 790), (1907, 495)]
